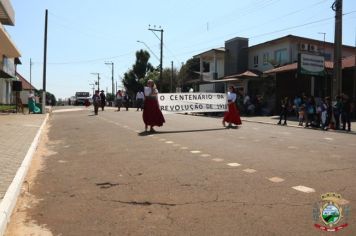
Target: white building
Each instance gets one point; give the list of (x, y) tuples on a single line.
[(9, 54)]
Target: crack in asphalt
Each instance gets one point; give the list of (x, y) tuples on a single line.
[(106, 184), (216, 200), (331, 170)]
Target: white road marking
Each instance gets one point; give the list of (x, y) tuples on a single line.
[(276, 179), (292, 147), (68, 110), (195, 151), (169, 142), (329, 139), (151, 135), (184, 148), (242, 138), (66, 146), (205, 155), (137, 131), (217, 159), (256, 140), (162, 139), (304, 189), (234, 164), (29, 125), (62, 161), (250, 170)]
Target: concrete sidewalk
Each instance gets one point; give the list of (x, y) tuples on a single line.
[(291, 122), (18, 133)]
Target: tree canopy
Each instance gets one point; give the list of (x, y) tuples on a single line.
[(133, 78)]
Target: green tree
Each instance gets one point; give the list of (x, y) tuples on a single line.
[(186, 72), (132, 78), (164, 85)]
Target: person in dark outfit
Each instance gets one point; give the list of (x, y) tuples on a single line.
[(96, 102), (102, 100), (337, 111), (284, 111), (126, 100), (345, 112)]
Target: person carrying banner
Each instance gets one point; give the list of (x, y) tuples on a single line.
[(152, 115), (232, 115)]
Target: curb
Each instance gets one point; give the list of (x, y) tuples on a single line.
[(9, 201), (299, 127)]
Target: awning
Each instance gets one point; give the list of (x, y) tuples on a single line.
[(246, 74), (7, 47)]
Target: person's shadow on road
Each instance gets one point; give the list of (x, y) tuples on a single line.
[(146, 133)]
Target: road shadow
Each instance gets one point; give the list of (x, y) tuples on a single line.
[(145, 133)]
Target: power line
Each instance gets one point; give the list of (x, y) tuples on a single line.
[(277, 31)]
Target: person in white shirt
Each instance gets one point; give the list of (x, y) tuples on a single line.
[(152, 115), (232, 115), (139, 100)]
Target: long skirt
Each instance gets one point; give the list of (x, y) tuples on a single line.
[(152, 115), (232, 115)]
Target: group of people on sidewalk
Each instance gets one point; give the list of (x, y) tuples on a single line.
[(319, 113), (152, 114)]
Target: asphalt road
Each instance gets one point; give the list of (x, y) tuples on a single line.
[(192, 177)]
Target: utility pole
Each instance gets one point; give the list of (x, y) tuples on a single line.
[(161, 58), (323, 42), (325, 72), (98, 74), (31, 74), (337, 75), (112, 75), (171, 90), (44, 65), (92, 87)]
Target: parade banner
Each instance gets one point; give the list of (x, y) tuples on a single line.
[(192, 102)]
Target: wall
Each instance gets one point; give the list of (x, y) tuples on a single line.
[(236, 56), (270, 49)]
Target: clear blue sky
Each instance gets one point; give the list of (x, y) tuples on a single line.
[(82, 35)]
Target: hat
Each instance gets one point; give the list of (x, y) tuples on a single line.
[(102, 91)]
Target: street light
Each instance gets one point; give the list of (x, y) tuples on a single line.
[(98, 74), (112, 75), (149, 49)]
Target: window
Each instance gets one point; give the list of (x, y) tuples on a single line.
[(206, 66), (255, 60), (281, 56), (265, 58), (327, 56)]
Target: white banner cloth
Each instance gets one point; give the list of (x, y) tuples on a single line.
[(192, 102)]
